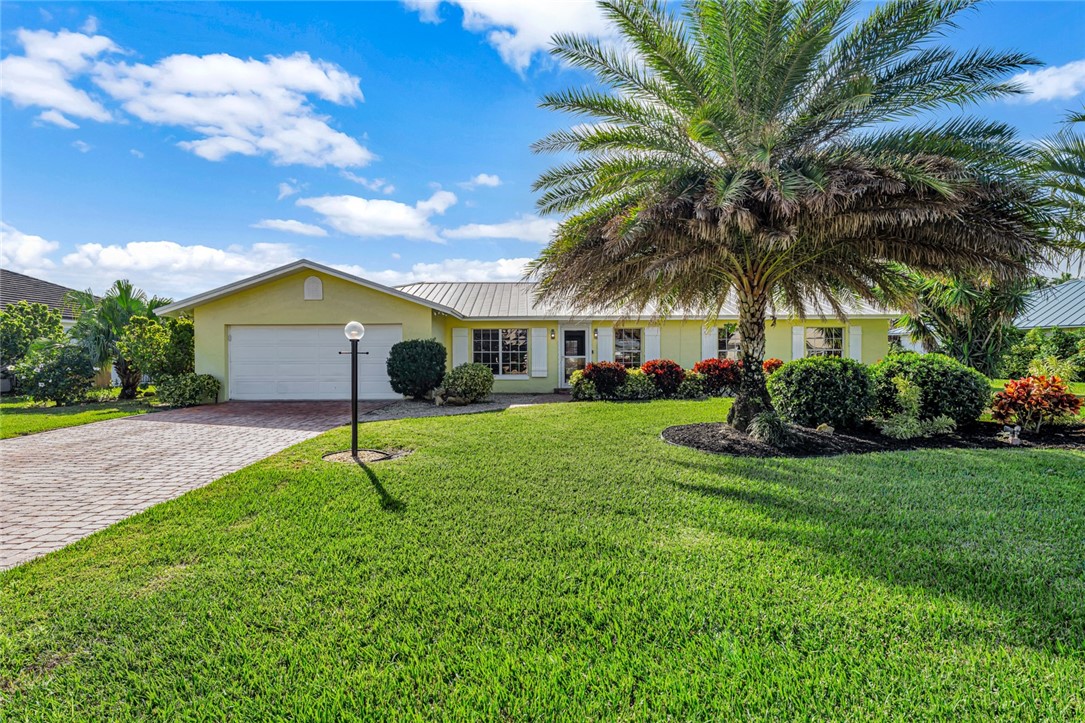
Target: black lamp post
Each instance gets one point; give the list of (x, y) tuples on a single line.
[(354, 332)]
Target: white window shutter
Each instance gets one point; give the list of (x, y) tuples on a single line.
[(710, 343), (651, 343), (605, 347), (460, 349), (539, 352), (798, 342), (855, 342)]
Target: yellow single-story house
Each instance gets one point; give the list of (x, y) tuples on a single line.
[(278, 335)]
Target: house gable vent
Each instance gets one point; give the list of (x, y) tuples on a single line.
[(314, 289)]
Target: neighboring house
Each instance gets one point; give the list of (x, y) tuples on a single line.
[(1062, 305), (278, 335), (16, 287)]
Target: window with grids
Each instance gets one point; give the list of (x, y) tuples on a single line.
[(824, 341), (729, 341), (503, 350), (627, 347)]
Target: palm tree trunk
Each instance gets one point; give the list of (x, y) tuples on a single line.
[(752, 397), (130, 378)]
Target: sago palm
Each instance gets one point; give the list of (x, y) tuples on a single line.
[(99, 323), (762, 152)]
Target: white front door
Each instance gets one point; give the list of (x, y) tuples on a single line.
[(575, 352), (303, 362)]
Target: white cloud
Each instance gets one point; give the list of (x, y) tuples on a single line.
[(520, 30), (43, 75), (56, 118), (290, 226), (249, 107), (136, 152), (232, 105), (370, 218), (24, 252), (90, 26), (447, 270), (523, 228), (81, 146), (169, 268), (1057, 82), (288, 189), (490, 180), (373, 184)]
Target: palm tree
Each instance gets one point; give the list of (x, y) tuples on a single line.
[(967, 318), (1061, 166), (99, 323), (760, 151)]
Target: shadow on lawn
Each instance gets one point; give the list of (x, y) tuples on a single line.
[(982, 535), (387, 501)]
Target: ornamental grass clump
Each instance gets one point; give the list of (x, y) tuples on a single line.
[(1034, 401)]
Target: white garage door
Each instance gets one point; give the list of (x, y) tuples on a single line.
[(303, 362)]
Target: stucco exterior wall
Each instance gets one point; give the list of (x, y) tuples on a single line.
[(281, 301)]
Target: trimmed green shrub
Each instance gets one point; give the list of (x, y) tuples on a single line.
[(187, 390), (470, 382), (721, 376), (947, 388), (416, 367), (637, 386), (56, 370), (607, 377), (906, 424), (822, 390), (23, 323), (582, 390), (692, 387), (667, 375)]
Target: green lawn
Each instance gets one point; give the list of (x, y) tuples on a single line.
[(560, 562), (19, 415)]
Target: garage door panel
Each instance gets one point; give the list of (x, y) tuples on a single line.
[(303, 362)]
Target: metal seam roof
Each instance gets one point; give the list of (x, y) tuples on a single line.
[(1062, 305)]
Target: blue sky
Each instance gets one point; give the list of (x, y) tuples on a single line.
[(186, 145)]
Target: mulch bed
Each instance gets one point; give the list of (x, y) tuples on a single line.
[(718, 438)]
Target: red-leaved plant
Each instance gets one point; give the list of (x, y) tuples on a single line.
[(606, 376), (721, 376), (665, 374), (770, 365), (1034, 401)]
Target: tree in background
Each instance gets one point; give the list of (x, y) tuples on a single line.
[(967, 318), (23, 323), (100, 323), (1061, 166), (159, 347), (761, 152)]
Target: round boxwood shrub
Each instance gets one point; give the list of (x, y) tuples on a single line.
[(665, 374), (470, 382), (822, 390), (947, 388), (607, 377), (55, 370), (416, 366), (721, 376)]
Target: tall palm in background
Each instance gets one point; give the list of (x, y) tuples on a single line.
[(99, 323), (1061, 166), (760, 151), (969, 319)]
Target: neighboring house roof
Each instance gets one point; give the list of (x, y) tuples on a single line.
[(516, 300), (294, 267), (1062, 305), (16, 287)]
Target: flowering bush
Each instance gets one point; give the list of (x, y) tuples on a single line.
[(665, 374), (721, 376), (607, 377), (770, 365), (55, 370), (1034, 401)]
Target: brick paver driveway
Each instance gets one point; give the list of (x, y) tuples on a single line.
[(62, 485)]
